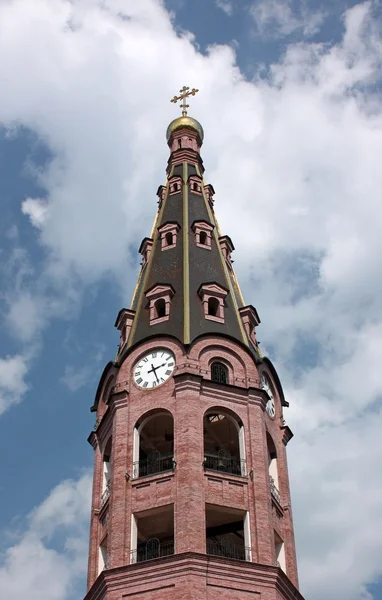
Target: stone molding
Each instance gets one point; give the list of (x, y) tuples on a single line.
[(141, 579)]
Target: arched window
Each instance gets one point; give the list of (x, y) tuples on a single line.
[(179, 143), (106, 472), (154, 444), (223, 442), (176, 187), (160, 308), (169, 238), (203, 238), (219, 373), (102, 556), (213, 306), (272, 468), (195, 186)]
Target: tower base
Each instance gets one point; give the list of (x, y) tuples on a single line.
[(192, 576)]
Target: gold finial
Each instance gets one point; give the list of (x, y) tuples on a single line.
[(184, 93)]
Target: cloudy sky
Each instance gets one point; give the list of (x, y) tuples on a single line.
[(290, 100)]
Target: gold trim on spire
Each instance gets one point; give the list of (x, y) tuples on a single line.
[(184, 93)]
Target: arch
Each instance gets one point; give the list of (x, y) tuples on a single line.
[(159, 308), (213, 306), (169, 238), (106, 470), (109, 369), (219, 372), (224, 447), (153, 450), (273, 467), (203, 238)]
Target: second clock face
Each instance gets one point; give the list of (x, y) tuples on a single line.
[(154, 368), (270, 407)]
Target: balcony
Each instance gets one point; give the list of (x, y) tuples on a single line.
[(274, 491), (105, 494), (224, 463), (227, 549), (153, 464), (153, 548)]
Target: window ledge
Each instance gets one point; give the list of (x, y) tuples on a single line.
[(148, 479), (214, 318), (160, 320), (230, 477)]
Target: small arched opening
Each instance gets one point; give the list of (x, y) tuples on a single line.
[(219, 373), (159, 308), (273, 468), (203, 238), (154, 444), (106, 471), (213, 307), (169, 238), (224, 449)]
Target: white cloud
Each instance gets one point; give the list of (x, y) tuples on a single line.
[(35, 567), (279, 18), (296, 154), (37, 211), (13, 371), (226, 6)]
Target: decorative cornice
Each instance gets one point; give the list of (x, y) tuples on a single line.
[(165, 572), (185, 381), (288, 434)]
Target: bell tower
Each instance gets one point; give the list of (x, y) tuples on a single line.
[(191, 493)]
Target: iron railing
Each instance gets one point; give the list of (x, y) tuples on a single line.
[(224, 463), (274, 491), (154, 463), (228, 549), (105, 494), (154, 548)]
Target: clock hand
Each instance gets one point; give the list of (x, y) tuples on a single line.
[(154, 370)]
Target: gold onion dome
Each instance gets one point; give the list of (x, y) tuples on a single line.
[(188, 123)]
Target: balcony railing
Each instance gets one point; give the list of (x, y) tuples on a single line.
[(105, 494), (152, 549), (228, 549), (154, 463), (274, 491), (224, 463)]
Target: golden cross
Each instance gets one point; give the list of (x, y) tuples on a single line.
[(184, 93)]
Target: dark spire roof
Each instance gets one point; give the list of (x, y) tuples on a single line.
[(196, 256)]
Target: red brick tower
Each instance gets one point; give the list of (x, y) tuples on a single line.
[(190, 493)]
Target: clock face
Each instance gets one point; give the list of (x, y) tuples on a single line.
[(154, 368), (270, 407)]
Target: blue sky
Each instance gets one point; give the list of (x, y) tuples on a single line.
[(290, 104)]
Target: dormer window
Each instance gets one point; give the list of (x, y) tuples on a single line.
[(168, 233), (227, 248), (195, 186), (161, 193), (145, 249), (160, 297), (250, 320), (203, 234), (175, 185), (209, 193), (212, 296), (124, 323)]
